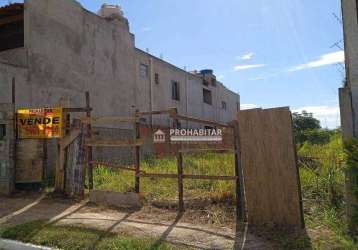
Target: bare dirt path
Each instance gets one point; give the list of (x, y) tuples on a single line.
[(163, 224)]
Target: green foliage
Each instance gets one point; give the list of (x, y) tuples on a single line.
[(305, 121), (316, 136), (325, 180), (351, 149), (323, 187), (73, 238), (308, 129)]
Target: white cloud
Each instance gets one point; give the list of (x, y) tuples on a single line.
[(326, 59), (248, 66), (220, 77), (247, 56), (146, 29), (261, 78), (328, 115), (248, 106)]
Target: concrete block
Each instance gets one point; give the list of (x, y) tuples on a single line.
[(127, 200)]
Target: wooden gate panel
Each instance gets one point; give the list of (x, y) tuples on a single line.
[(74, 167), (269, 164)]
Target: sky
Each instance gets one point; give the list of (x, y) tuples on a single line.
[(272, 52)]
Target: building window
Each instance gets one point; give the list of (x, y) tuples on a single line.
[(2, 131), (179, 125), (205, 82), (207, 97), (143, 70), (175, 91), (156, 78), (223, 105)]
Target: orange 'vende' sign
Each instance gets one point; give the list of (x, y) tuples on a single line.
[(43, 123)]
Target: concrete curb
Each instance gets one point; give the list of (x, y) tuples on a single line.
[(127, 200), (17, 245)]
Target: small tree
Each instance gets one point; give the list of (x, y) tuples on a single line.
[(306, 128)]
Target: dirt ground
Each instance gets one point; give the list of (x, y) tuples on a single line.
[(167, 225)]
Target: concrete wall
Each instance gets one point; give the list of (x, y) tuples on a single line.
[(6, 150), (71, 50), (350, 21), (349, 103), (8, 72)]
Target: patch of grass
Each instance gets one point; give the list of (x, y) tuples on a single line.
[(154, 189), (73, 238), (322, 184)]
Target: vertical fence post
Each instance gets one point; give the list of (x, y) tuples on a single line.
[(137, 152), (60, 171), (89, 148), (180, 180), (240, 193), (179, 157), (13, 101)]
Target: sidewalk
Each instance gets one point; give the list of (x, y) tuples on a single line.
[(16, 245)]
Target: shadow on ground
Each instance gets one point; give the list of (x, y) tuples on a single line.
[(19, 210)]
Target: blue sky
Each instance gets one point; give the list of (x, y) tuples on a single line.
[(272, 52)]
